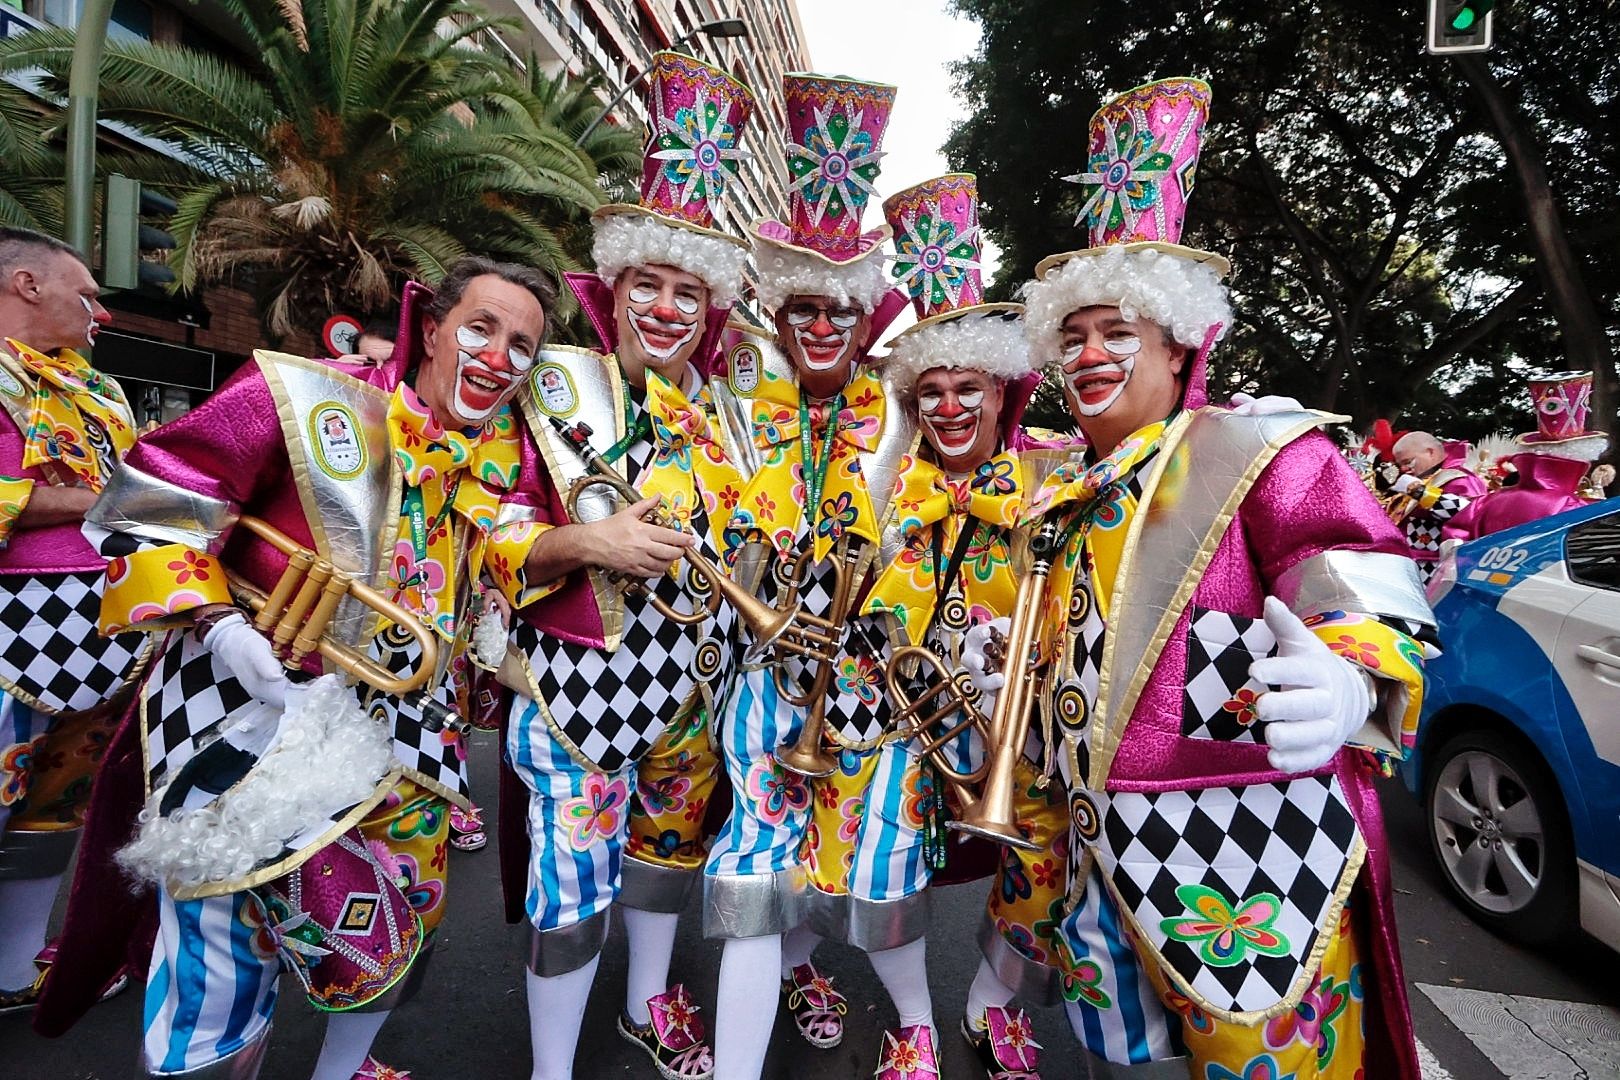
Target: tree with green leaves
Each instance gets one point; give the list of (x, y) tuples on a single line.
[(1384, 265), (364, 142)]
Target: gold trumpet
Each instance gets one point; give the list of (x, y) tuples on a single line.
[(765, 624), (990, 811), (296, 614), (819, 641)]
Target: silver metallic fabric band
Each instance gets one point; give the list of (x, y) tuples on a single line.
[(1033, 983), (648, 886), (26, 854), (241, 1064), (567, 948), (1365, 582), (135, 502), (869, 925), (753, 905)]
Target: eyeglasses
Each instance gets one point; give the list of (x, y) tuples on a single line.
[(842, 317)]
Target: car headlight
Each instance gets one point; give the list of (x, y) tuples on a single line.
[(1445, 572)]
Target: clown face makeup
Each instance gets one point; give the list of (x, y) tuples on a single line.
[(1118, 374), (67, 311), (960, 414), (823, 339), (659, 310), (479, 355)]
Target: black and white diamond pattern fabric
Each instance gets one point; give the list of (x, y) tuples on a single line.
[(438, 757), (1232, 886), (859, 709), (613, 706), (52, 650), (187, 697), (1219, 699)]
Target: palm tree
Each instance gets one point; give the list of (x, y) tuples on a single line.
[(30, 172), (369, 141)]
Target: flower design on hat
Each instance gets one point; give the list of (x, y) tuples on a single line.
[(698, 146), (932, 258), (835, 166), (1124, 173)]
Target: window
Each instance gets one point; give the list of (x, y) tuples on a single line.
[(1592, 550), (131, 20)]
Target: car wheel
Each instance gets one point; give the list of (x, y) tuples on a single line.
[(1498, 832)]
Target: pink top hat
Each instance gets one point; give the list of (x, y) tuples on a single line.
[(698, 115), (936, 261), (834, 136), (1562, 402), (1142, 162)]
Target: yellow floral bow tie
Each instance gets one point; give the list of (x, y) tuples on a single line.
[(78, 419)]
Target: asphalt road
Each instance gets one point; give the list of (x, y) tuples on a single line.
[(470, 1021)]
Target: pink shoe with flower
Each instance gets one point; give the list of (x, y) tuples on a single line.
[(818, 1010), (908, 1054), (1006, 1047), (372, 1069), (674, 1038), (467, 828)]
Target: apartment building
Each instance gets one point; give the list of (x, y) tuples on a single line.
[(618, 38)]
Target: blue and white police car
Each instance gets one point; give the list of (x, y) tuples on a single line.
[(1518, 753)]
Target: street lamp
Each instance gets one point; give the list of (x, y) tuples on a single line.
[(718, 28)]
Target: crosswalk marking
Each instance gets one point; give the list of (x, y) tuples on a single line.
[(1429, 1066), (1530, 1038)]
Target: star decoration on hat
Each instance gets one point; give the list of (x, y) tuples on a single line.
[(698, 146), (1125, 174), (931, 258), (836, 166)]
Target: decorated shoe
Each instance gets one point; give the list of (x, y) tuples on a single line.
[(372, 1069), (26, 998), (1006, 1047), (818, 1010), (674, 1038), (908, 1054), (467, 828)]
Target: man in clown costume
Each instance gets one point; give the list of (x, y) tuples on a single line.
[(826, 448), (298, 823), (963, 374), (1234, 621), (63, 426), (609, 734)]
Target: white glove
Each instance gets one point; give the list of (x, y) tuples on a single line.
[(247, 655), (1249, 405), (1406, 482), (1325, 698), (976, 644)]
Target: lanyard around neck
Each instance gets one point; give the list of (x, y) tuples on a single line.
[(815, 478)]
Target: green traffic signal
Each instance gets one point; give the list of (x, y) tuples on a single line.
[(1469, 13)]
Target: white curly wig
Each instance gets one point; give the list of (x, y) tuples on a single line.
[(326, 754), (992, 343), (784, 272), (626, 240), (1183, 296)]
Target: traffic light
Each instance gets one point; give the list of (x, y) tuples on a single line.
[(126, 240), (1460, 26)]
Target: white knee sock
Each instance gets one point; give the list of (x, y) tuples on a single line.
[(652, 944), (349, 1036), (556, 1010), (25, 911), (746, 1009), (904, 972), (797, 945), (987, 990)]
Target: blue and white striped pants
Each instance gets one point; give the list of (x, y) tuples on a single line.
[(1114, 1011), (772, 808), (578, 823), (212, 986), (19, 726)]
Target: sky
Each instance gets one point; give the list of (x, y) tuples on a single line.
[(908, 43)]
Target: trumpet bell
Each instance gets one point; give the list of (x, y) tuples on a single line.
[(999, 832), (813, 762)]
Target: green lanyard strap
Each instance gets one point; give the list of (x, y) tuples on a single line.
[(636, 428), (815, 478)]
